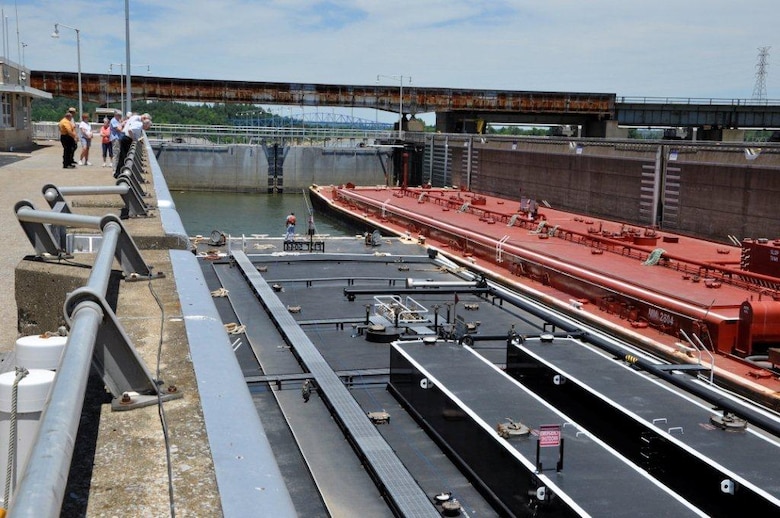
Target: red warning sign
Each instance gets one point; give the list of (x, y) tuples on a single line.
[(549, 435)]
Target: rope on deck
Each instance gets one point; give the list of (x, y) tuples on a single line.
[(654, 257)]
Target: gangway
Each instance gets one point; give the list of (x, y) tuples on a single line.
[(398, 310)]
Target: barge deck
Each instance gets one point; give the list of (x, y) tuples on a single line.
[(382, 373), (685, 299)]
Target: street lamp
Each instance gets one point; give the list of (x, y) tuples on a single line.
[(400, 100), (56, 34)]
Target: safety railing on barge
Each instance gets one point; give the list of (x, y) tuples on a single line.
[(600, 241)]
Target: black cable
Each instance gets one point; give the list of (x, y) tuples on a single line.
[(160, 408)]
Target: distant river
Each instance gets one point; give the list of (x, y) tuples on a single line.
[(240, 213)]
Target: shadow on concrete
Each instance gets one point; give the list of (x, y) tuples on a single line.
[(96, 398)]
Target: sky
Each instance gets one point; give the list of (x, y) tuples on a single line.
[(683, 48)]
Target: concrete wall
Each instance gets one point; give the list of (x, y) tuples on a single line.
[(600, 180), (245, 168), (12, 139), (711, 191), (723, 193), (706, 190)]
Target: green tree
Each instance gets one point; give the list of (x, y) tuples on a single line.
[(163, 112)]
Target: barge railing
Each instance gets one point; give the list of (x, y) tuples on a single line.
[(711, 273)]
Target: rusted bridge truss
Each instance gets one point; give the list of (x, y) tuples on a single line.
[(453, 105), (105, 88)]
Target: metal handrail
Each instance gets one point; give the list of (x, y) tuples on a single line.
[(256, 134), (211, 134), (42, 487), (712, 358)]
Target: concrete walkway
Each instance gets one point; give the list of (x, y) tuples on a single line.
[(119, 465), (22, 176)]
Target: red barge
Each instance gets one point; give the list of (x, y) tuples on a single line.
[(686, 299)]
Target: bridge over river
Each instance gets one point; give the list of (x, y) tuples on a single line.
[(457, 110)]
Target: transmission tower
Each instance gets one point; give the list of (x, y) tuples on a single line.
[(759, 90)]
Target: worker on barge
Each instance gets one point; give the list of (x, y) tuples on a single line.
[(290, 223)]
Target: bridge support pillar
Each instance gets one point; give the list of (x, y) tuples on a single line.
[(603, 129), (733, 135), (452, 122), (720, 134)]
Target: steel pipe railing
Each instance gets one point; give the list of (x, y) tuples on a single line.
[(82, 190), (93, 325), (101, 268), (29, 214), (126, 253), (133, 162), (41, 489), (134, 205), (42, 486)]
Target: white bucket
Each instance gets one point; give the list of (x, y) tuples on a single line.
[(33, 391), (40, 351)]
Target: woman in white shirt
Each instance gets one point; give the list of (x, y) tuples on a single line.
[(85, 136)]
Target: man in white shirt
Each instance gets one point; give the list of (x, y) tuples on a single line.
[(132, 131)]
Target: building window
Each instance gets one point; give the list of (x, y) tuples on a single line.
[(5, 104)]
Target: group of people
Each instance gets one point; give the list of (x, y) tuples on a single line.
[(116, 137)]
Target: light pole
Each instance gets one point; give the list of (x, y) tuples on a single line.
[(56, 34), (23, 72), (127, 54), (122, 82), (400, 100)]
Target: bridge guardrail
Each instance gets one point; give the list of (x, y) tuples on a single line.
[(208, 134), (254, 134), (699, 101)]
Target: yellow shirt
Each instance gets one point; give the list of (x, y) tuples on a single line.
[(66, 127)]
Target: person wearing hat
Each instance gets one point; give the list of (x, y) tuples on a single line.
[(68, 140), (75, 123)]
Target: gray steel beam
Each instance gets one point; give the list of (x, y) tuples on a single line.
[(134, 205), (393, 479), (243, 458), (738, 115)]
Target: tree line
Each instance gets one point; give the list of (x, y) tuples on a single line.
[(163, 112)]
